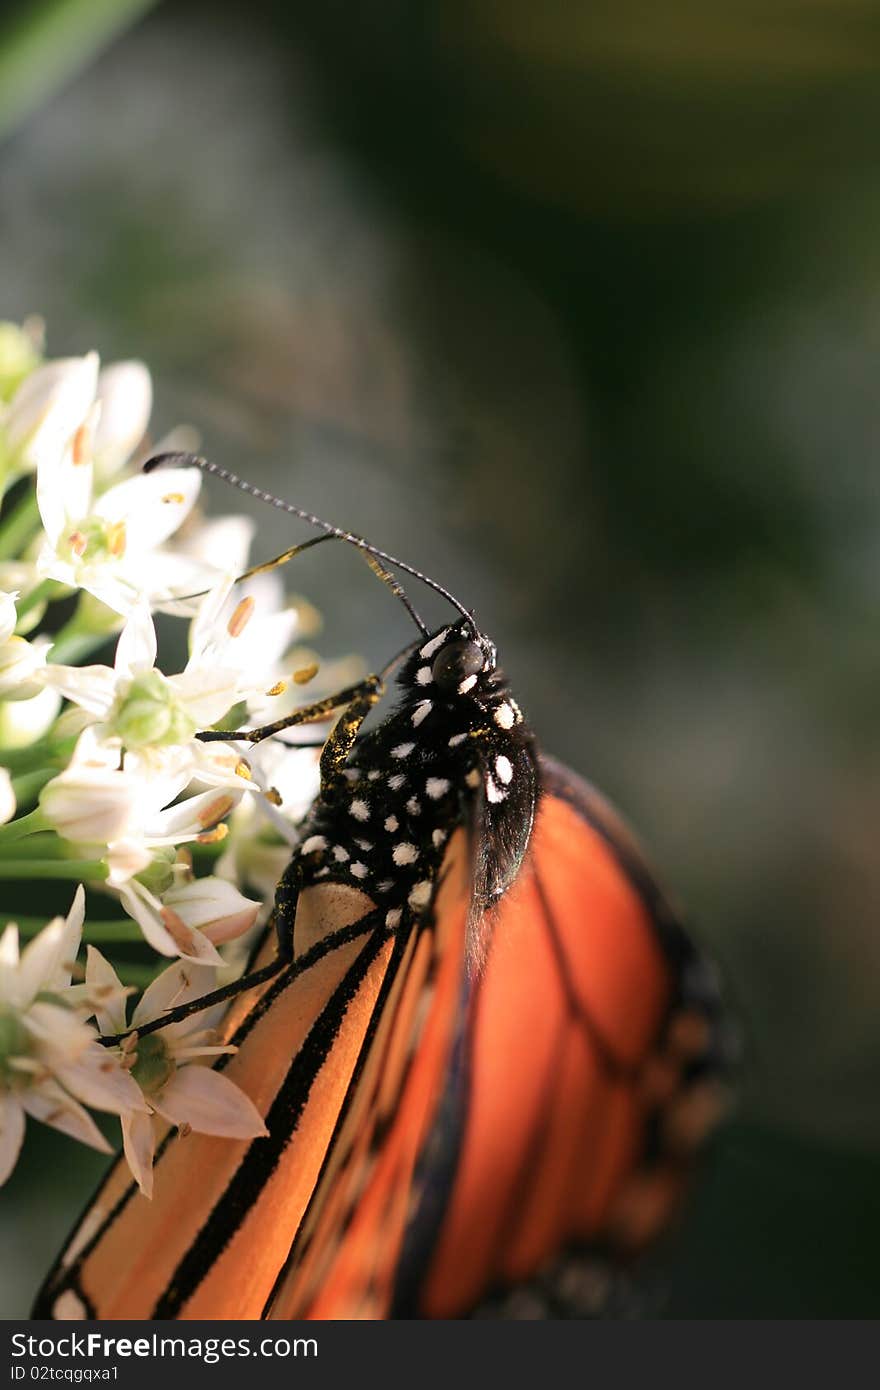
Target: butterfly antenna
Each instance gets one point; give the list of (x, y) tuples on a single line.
[(183, 460)]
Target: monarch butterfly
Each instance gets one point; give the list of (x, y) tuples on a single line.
[(484, 1046)]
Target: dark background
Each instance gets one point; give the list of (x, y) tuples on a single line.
[(577, 307)]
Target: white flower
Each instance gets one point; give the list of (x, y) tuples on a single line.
[(23, 722), (111, 545), (21, 662), (50, 1059), (7, 797), (190, 1096), (125, 392), (47, 412), (190, 919), (91, 801)]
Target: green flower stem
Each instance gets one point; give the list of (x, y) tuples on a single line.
[(72, 644), (24, 825), (124, 930), (19, 527), (19, 760), (38, 846), (76, 869), (28, 786)]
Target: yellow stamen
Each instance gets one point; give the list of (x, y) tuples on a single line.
[(213, 837), (216, 810), (77, 542), (278, 688), (177, 929), (80, 446), (116, 539), (241, 617), (306, 674), (273, 796), (174, 497), (243, 769)]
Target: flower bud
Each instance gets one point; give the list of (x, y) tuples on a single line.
[(48, 408), (90, 804), (19, 355), (150, 715), (20, 661)]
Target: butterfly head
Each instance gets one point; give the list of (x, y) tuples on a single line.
[(455, 660)]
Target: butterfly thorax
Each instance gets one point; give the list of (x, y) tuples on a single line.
[(455, 751)]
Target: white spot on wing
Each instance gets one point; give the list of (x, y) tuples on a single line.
[(402, 750), (397, 781), (359, 809), (420, 895), (493, 791), (392, 918), (438, 836), (503, 769)]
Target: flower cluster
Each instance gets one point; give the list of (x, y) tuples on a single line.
[(102, 778)]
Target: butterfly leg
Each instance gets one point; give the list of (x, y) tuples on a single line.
[(353, 697)]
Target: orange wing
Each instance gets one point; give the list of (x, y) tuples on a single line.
[(592, 1044)]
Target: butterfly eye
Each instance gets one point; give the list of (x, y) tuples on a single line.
[(455, 662)]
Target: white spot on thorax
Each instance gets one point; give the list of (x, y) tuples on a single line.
[(431, 647), (385, 885), (467, 684), (504, 716), (437, 787), (423, 675), (421, 712), (374, 775), (340, 854), (404, 854), (313, 843), (402, 750), (359, 870), (456, 740), (365, 845), (391, 823), (351, 774), (397, 781), (472, 778), (503, 769), (438, 836), (414, 806), (359, 809)]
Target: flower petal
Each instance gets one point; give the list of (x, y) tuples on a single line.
[(215, 907), (209, 1103), (139, 1145), (136, 648), (53, 1106), (11, 1134), (179, 984), (152, 505), (97, 1079), (125, 391), (107, 990)]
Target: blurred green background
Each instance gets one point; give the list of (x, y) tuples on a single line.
[(577, 306)]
